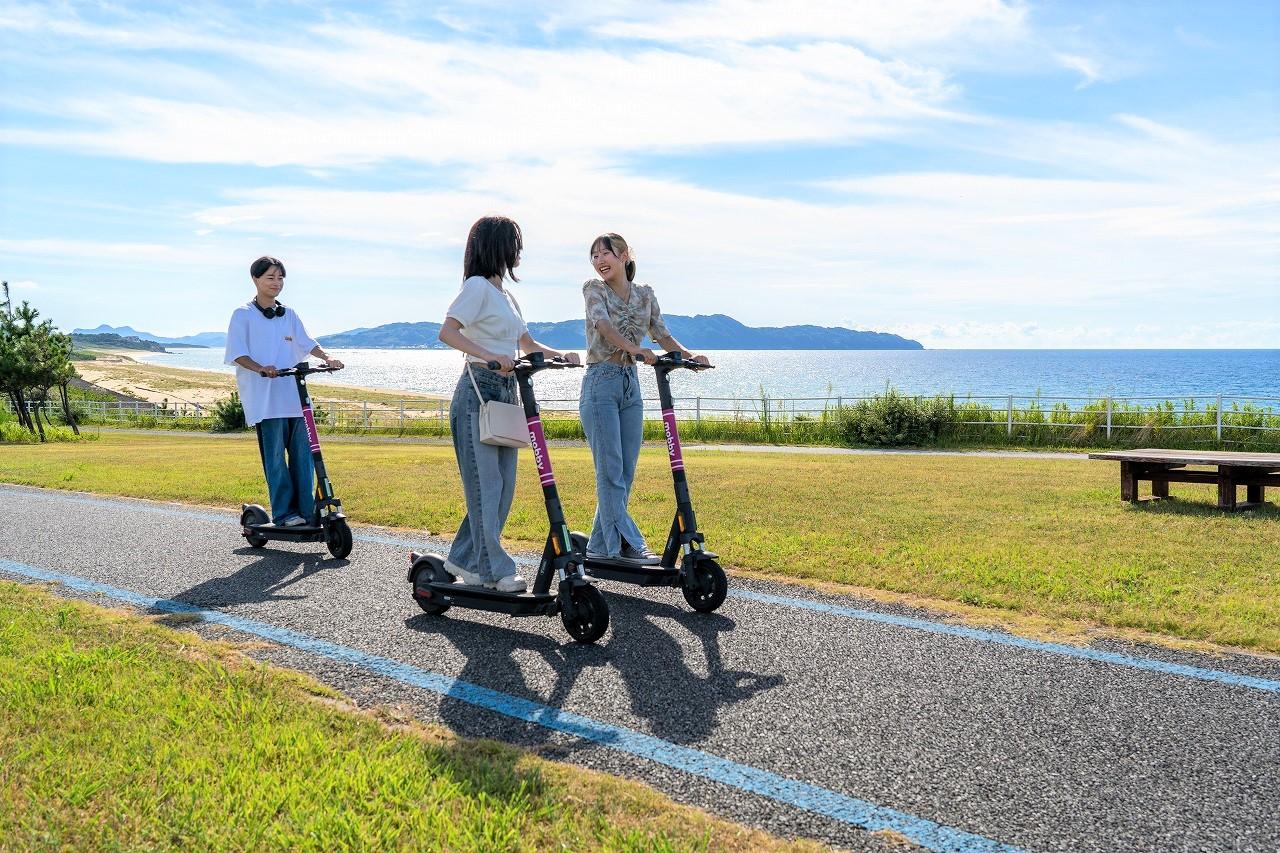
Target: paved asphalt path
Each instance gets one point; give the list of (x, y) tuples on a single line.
[(973, 734)]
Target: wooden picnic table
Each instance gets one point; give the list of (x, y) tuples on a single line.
[(1228, 469)]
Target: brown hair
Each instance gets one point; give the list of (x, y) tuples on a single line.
[(493, 247), (614, 243)]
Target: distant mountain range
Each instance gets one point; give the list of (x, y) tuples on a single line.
[(704, 331), (204, 339), (114, 341)]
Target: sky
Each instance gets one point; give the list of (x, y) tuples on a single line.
[(966, 173)]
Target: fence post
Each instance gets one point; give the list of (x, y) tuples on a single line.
[(1219, 417), (402, 415), (365, 416), (697, 412), (1108, 417), (1009, 419)]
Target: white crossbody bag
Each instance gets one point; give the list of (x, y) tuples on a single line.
[(501, 424)]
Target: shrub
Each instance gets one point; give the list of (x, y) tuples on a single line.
[(894, 420), (228, 415)]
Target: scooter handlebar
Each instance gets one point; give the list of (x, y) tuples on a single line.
[(672, 360), (301, 371), (537, 361)]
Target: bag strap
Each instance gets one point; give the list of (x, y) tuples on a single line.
[(473, 382)]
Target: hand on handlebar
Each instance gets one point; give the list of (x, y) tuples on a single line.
[(645, 356), (504, 364), (269, 370), (572, 358), (333, 364), (701, 359)]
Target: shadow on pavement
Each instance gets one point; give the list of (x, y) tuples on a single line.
[(259, 581), (676, 690)]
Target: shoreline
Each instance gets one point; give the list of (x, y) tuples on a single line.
[(120, 372)]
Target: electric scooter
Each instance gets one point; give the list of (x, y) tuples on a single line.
[(685, 561), (328, 524), (581, 606)]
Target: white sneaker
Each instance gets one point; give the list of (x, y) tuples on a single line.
[(294, 520), (511, 583), (468, 578)]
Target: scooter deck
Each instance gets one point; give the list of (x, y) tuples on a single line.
[(481, 598), (632, 574), (303, 532)]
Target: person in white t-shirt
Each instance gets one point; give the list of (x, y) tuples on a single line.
[(264, 337), (484, 321)]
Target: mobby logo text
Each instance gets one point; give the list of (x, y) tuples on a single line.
[(539, 458)]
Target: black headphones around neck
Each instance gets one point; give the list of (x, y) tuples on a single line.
[(269, 313)]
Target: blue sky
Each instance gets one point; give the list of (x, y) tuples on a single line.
[(969, 173)]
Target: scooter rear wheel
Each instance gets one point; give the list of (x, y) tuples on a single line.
[(591, 615), (254, 515), (338, 538), (705, 586), (425, 572)]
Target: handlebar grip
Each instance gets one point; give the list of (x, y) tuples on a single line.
[(493, 365)]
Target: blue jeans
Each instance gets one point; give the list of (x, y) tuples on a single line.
[(488, 478), (291, 486), (612, 413)]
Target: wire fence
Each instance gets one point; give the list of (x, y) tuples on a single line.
[(890, 418)]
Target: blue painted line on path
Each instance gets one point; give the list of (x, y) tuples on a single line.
[(812, 798), (978, 634), (1083, 653)]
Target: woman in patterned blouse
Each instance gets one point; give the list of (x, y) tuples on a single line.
[(619, 315)]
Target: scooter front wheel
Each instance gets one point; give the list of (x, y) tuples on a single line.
[(590, 614), (705, 586), (338, 538)]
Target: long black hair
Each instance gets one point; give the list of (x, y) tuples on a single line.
[(493, 248)]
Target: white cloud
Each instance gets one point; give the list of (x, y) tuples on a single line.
[(1033, 335), (25, 285), (879, 25), (1088, 68), (350, 95)]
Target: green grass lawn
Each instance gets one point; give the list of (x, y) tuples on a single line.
[(120, 733), (1024, 538)]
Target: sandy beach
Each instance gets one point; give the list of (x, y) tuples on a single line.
[(116, 370)]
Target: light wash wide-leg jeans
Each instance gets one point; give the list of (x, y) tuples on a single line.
[(488, 478), (612, 413)]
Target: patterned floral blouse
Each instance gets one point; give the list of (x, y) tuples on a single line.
[(633, 317)]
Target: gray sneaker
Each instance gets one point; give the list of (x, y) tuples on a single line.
[(639, 556), (294, 520)]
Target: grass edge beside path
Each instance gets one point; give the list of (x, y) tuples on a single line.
[(117, 730)]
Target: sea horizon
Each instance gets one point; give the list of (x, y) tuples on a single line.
[(1083, 373)]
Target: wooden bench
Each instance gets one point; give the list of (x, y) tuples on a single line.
[(1230, 470)]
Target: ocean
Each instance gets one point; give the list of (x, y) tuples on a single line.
[(746, 374)]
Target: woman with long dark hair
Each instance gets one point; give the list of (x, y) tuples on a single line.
[(485, 322)]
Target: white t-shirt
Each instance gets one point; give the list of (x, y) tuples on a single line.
[(278, 341), (489, 317)]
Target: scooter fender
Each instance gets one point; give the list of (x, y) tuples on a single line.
[(567, 586)]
